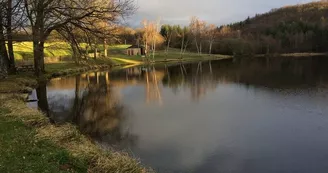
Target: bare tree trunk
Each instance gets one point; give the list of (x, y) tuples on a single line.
[(105, 48), (4, 61), (210, 49), (38, 50), (37, 55), (75, 53), (146, 48), (39, 37), (10, 38), (197, 46), (185, 48), (95, 51), (87, 50), (168, 44), (182, 45), (154, 47)]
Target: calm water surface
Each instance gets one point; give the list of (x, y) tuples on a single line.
[(260, 116)]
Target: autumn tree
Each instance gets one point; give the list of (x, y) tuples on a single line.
[(126, 35), (211, 34), (197, 29), (151, 35)]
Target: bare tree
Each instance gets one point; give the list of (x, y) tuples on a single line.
[(167, 32), (185, 39), (211, 33), (11, 19), (146, 35), (71, 34), (46, 16), (4, 60), (151, 35), (14, 20), (197, 28)]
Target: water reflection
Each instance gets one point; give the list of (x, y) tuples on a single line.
[(264, 115)]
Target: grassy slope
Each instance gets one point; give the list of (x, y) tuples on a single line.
[(117, 54), (24, 50)]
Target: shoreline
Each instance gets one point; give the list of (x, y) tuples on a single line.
[(14, 91), (65, 137), (13, 96)]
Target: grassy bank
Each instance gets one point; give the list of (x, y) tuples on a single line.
[(30, 143), (173, 55), (117, 54)]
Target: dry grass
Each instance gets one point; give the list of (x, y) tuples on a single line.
[(18, 84), (69, 137)]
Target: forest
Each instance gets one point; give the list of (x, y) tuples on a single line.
[(291, 29)]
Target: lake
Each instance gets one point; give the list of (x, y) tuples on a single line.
[(252, 116)]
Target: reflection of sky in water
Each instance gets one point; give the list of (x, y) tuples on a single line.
[(241, 128), (228, 127), (61, 98), (231, 129)]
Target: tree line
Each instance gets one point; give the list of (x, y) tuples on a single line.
[(199, 36), (299, 28), (74, 20)]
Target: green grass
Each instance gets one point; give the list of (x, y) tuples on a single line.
[(24, 50), (117, 56), (172, 55), (21, 151)]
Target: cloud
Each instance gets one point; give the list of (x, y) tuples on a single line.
[(213, 11)]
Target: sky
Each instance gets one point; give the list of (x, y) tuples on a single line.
[(213, 11)]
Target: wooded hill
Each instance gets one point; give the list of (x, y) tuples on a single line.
[(298, 28)]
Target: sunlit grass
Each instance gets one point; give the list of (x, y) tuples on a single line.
[(116, 55), (24, 50)]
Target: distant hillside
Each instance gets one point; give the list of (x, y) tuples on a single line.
[(299, 28)]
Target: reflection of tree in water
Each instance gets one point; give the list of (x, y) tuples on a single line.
[(282, 73), (277, 73), (197, 77), (95, 109), (153, 92), (43, 105), (147, 76), (100, 114)]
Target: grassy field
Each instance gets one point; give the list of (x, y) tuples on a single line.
[(116, 54), (24, 50)]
